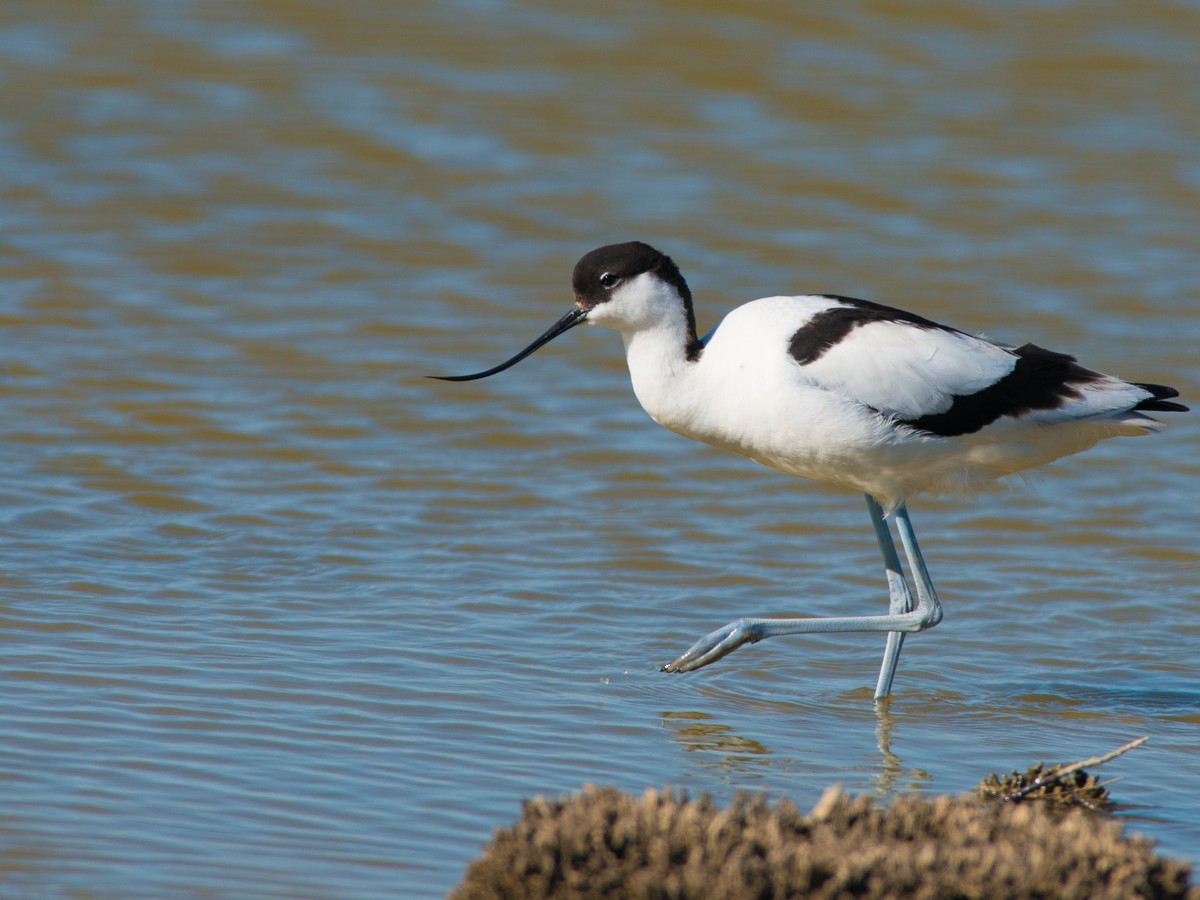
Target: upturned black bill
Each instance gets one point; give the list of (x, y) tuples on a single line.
[(566, 323)]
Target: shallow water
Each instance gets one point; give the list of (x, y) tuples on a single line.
[(283, 618)]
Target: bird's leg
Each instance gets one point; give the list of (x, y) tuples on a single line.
[(899, 597), (926, 595), (928, 613)]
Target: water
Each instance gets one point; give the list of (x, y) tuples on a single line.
[(283, 618)]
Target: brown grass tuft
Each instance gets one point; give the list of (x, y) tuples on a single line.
[(1056, 791), (603, 843)]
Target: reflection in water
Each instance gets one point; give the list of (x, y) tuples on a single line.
[(695, 732), (892, 776), (724, 749)]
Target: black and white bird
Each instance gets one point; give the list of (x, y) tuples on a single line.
[(850, 393)]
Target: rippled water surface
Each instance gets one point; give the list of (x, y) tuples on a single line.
[(282, 617)]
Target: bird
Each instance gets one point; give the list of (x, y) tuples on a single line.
[(851, 393)]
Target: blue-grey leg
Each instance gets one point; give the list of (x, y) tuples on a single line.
[(926, 595), (928, 612), (899, 597)]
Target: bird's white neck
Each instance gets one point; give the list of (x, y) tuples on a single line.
[(655, 325), (663, 377)]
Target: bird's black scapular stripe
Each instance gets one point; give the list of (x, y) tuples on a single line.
[(1041, 379), (828, 328)]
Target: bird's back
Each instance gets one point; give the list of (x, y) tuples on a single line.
[(858, 394)]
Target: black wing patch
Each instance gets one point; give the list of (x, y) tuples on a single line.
[(1041, 379), (828, 328)]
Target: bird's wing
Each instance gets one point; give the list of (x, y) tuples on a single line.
[(942, 381), (905, 368)]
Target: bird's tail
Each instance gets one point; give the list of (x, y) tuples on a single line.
[(1160, 401)]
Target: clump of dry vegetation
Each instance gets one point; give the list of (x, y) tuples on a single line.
[(1059, 787), (604, 843), (1046, 784)]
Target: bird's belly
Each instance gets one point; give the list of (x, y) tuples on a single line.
[(825, 439), (847, 445)]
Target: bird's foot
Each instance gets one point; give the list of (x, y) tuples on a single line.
[(714, 645)]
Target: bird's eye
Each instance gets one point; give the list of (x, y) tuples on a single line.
[(608, 279)]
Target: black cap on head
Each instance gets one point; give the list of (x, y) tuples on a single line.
[(602, 270)]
